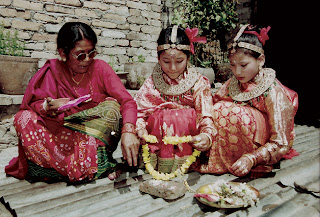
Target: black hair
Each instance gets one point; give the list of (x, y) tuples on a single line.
[(72, 32), (165, 38), (251, 39)]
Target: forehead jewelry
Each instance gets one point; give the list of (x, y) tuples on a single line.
[(172, 52), (243, 44), (173, 46), (191, 34)]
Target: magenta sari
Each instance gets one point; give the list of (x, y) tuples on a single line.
[(44, 140)]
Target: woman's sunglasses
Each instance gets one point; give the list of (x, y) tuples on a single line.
[(83, 56)]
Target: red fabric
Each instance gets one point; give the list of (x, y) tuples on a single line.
[(153, 148), (69, 152), (263, 36), (291, 153), (192, 35), (54, 80), (18, 166), (172, 122)]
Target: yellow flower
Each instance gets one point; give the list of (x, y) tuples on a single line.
[(145, 153), (192, 158), (175, 140), (150, 138), (156, 175), (169, 140), (149, 167), (183, 170), (188, 162), (146, 160), (196, 153)]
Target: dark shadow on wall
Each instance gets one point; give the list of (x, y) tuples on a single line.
[(292, 51)]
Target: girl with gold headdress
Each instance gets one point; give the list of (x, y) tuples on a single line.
[(175, 100), (253, 112)]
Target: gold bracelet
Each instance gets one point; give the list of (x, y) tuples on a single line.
[(210, 140), (251, 158)]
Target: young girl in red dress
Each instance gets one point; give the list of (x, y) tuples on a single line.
[(253, 112), (175, 100)]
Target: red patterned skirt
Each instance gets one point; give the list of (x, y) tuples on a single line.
[(171, 122), (81, 151)]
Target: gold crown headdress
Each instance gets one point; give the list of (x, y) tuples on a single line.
[(191, 33), (263, 36)]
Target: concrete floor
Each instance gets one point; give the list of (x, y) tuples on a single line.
[(281, 194)]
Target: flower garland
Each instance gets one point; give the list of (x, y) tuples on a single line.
[(175, 140), (167, 140)]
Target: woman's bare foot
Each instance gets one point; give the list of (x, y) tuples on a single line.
[(114, 175)]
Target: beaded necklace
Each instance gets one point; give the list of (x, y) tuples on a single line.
[(174, 92)]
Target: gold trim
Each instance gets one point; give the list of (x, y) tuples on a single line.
[(244, 44), (191, 77), (251, 47), (265, 79), (240, 32), (173, 46)]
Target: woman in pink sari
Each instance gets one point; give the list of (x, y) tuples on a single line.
[(70, 119), (253, 112)]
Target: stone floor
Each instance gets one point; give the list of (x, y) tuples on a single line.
[(291, 190)]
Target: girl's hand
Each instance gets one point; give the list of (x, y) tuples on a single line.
[(201, 142), (142, 132), (242, 166), (130, 148)]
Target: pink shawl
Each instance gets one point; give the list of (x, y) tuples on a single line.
[(54, 80)]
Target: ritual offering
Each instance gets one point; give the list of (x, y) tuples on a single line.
[(173, 140), (169, 190), (222, 194), (161, 185)]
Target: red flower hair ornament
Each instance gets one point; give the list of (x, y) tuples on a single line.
[(263, 36), (192, 35)]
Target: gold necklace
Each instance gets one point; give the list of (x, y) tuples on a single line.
[(78, 82), (268, 76), (173, 90)]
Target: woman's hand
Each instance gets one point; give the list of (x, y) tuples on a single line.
[(201, 142), (54, 104), (130, 148), (242, 166)]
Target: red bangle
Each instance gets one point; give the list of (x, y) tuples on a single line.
[(128, 128)]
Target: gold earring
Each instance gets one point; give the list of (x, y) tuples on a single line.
[(64, 60)]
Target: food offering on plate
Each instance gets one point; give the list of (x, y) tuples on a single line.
[(222, 194)]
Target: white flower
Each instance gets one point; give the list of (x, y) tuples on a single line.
[(234, 194)]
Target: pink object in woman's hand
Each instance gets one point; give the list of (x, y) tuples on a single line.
[(75, 102)]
